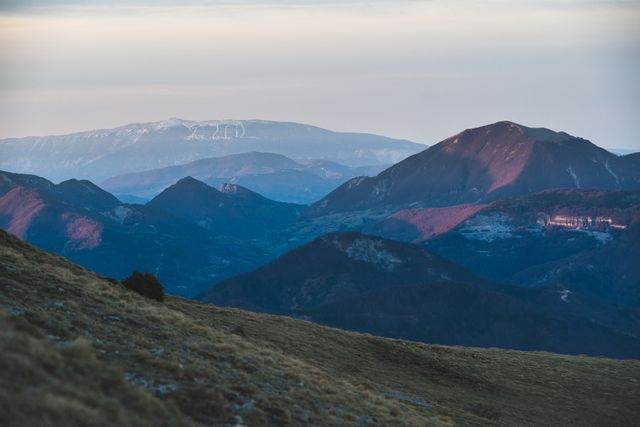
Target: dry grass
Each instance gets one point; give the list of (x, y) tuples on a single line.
[(78, 350)]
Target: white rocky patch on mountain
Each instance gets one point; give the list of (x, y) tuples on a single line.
[(370, 251), (489, 227), (120, 213)]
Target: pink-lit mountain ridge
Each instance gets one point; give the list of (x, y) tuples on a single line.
[(485, 164)]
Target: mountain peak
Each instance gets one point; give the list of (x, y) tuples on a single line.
[(191, 184), (483, 164), (186, 192), (502, 124), (472, 141), (86, 193), (83, 185), (234, 209), (535, 134), (514, 133), (188, 180)]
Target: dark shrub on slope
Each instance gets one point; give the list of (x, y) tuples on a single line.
[(146, 284)]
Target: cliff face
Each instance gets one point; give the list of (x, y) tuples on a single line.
[(581, 222)]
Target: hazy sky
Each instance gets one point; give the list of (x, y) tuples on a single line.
[(420, 70)]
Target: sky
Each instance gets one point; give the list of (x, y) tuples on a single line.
[(419, 70)]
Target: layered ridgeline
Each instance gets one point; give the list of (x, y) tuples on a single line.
[(485, 164), (272, 175), (100, 154), (400, 290), (79, 350), (190, 236)]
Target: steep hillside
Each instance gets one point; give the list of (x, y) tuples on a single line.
[(32, 207), (100, 154), (394, 289), (334, 267), (420, 224), (610, 271), (484, 164), (550, 319), (77, 350)]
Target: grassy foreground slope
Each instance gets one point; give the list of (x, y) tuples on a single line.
[(77, 350)]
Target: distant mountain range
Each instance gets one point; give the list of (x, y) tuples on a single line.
[(388, 288), (100, 154), (272, 175), (485, 164)]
